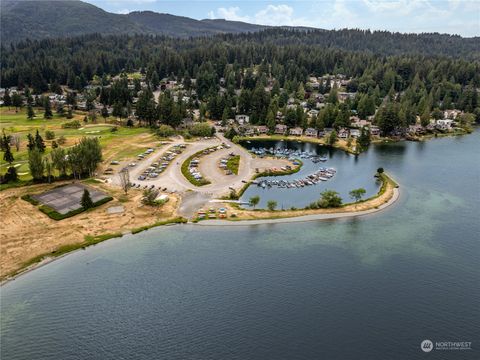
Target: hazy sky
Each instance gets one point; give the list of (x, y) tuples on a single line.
[(444, 16)]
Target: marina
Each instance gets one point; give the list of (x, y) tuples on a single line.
[(322, 168)]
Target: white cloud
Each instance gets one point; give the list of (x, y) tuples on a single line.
[(275, 15), (231, 13)]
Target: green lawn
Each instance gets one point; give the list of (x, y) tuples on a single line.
[(16, 123), (233, 163)]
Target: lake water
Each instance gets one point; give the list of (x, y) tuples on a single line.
[(371, 287), (353, 172)]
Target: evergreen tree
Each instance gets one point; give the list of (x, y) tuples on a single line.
[(48, 109), (7, 100), (7, 156), (39, 143), (86, 200), (30, 112)]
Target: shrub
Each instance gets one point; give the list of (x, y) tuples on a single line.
[(75, 124), (10, 175), (49, 135), (114, 129), (165, 131), (61, 140), (201, 129)]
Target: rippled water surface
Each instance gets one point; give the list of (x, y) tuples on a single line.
[(371, 287)]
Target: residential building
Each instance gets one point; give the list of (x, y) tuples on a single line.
[(280, 129), (311, 132), (297, 131)]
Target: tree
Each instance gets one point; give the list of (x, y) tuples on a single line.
[(332, 139), (105, 113), (165, 131), (30, 112), (39, 143), (17, 101), (86, 200), (271, 205), (7, 156), (254, 200), (149, 197), (48, 109), (48, 169), (35, 164), (201, 129), (124, 177), (7, 100), (11, 174), (357, 194), (364, 138), (59, 160), (330, 198)]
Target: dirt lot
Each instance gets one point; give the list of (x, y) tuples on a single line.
[(26, 232)]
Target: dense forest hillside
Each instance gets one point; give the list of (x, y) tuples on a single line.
[(53, 19), (64, 18), (38, 63), (179, 26)]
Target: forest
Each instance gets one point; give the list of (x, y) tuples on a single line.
[(408, 85)]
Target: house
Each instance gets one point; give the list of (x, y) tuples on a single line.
[(374, 130), (356, 122), (415, 129), (186, 122), (262, 129), (343, 133), (280, 129), (354, 133), (242, 119), (343, 96), (444, 124), (451, 114), (297, 131), (249, 131), (311, 132)]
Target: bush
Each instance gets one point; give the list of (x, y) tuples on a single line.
[(202, 130), (75, 124), (61, 140), (329, 199), (49, 135), (114, 129), (10, 175), (165, 131)]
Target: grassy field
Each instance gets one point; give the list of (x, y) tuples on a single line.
[(122, 144), (233, 163)]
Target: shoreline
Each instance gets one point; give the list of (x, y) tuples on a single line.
[(244, 222), (302, 218)]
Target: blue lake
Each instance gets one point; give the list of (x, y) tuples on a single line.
[(370, 287)]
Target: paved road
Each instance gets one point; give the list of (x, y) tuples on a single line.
[(193, 196)]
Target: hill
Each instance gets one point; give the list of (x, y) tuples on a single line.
[(53, 19)]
